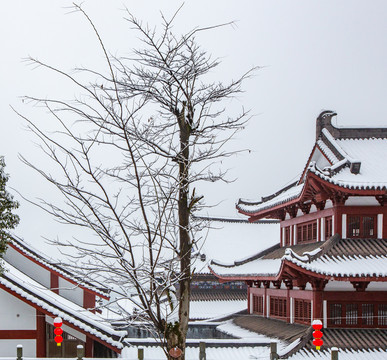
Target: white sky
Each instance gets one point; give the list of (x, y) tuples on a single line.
[(316, 55)]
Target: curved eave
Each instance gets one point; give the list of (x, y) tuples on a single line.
[(315, 274), (306, 194), (282, 274)]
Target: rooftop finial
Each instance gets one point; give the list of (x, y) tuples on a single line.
[(324, 120)]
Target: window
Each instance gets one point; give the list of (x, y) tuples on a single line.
[(278, 307), (358, 314), (258, 304), (307, 232), (361, 226), (287, 236), (328, 227), (302, 311), (367, 314), (382, 315), (335, 314), (351, 314)]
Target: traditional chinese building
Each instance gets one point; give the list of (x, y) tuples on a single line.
[(330, 262), (33, 291)]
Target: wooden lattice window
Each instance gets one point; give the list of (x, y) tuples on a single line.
[(328, 227), (382, 314), (367, 314), (358, 314), (351, 314), (335, 314), (278, 307), (258, 304), (302, 311), (307, 232), (361, 226)]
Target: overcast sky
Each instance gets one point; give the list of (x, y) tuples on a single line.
[(315, 55)]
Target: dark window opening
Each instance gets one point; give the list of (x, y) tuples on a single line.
[(302, 311), (307, 232), (278, 307), (361, 226), (258, 304)]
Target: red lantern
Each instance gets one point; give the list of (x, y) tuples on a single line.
[(58, 331), (175, 352), (317, 334)]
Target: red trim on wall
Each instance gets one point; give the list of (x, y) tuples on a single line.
[(18, 334), (88, 300), (54, 283), (307, 217), (57, 273), (355, 296)]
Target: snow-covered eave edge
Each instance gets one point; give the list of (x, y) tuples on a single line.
[(301, 266), (351, 188), (351, 185), (18, 245), (69, 319)]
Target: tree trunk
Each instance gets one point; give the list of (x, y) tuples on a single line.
[(185, 242)]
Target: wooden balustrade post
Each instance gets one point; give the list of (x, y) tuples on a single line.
[(202, 350), (19, 352), (273, 351), (80, 352), (140, 353), (335, 353)]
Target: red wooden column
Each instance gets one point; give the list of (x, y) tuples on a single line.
[(318, 286), (89, 347), (40, 334)]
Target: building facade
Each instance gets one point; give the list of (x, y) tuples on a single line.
[(33, 291), (330, 262)]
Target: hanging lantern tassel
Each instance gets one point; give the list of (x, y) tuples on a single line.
[(58, 331), (317, 334)]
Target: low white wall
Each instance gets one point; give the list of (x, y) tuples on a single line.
[(15, 314), (8, 348)]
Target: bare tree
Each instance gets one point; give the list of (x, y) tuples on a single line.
[(128, 152)]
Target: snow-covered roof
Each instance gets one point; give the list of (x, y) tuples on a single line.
[(370, 153), (203, 310), (225, 241), (56, 305), (353, 159), (51, 264), (344, 354), (345, 258)]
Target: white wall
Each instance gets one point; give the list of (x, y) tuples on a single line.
[(70, 291), (35, 271), (15, 314), (8, 347)]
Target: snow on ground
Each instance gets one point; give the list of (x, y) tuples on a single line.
[(200, 310), (227, 242), (212, 353)]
